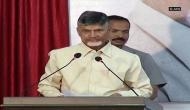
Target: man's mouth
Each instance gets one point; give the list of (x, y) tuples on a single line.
[(118, 40), (94, 43)]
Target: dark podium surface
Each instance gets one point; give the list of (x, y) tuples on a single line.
[(73, 103)]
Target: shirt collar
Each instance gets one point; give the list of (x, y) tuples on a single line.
[(107, 49)]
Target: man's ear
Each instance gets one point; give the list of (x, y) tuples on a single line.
[(78, 30)]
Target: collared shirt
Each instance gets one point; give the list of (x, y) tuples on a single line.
[(87, 77)]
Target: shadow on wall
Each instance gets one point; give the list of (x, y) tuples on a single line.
[(174, 62)]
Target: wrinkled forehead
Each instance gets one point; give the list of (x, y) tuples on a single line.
[(119, 25), (96, 25), (119, 22)]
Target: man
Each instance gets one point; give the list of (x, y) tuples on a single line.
[(119, 34), (85, 76)]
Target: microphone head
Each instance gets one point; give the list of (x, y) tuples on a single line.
[(77, 55), (98, 59)]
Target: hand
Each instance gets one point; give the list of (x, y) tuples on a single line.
[(61, 96), (116, 95)]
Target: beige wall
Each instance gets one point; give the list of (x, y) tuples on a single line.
[(163, 34)]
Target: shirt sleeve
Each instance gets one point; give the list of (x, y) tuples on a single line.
[(153, 71), (49, 85), (139, 82)]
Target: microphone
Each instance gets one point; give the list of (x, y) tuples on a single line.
[(99, 59), (76, 55)]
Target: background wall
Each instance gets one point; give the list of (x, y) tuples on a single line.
[(119, 7), (154, 29)]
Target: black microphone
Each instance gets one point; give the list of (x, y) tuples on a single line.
[(99, 59), (76, 55)]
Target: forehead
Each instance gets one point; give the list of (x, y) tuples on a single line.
[(93, 26), (119, 23)]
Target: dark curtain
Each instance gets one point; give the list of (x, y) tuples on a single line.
[(29, 29)]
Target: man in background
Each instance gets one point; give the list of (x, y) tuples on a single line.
[(119, 34)]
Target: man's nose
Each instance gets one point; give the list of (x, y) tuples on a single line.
[(120, 34), (92, 34)]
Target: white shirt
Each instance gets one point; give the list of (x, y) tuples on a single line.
[(87, 77)]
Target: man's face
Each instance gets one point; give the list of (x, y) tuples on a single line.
[(119, 32), (94, 36)]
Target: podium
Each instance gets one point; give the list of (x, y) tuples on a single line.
[(73, 103)]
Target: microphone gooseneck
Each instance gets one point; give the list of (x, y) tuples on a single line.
[(76, 55), (99, 59)]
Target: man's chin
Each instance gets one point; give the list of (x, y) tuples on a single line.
[(117, 44), (94, 44)]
